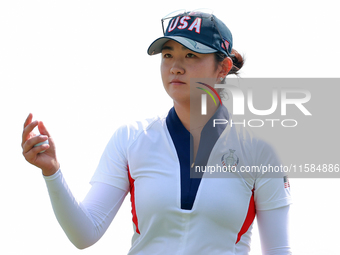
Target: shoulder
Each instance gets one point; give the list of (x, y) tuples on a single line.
[(247, 137), (133, 130), (255, 146)]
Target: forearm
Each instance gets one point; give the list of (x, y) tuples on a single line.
[(84, 223), (274, 231)]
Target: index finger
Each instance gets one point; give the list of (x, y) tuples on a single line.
[(27, 131), (28, 119)]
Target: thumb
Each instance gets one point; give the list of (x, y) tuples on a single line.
[(42, 129)]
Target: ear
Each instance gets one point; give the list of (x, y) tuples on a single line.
[(226, 65)]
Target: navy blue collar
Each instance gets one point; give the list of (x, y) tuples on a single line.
[(175, 123), (182, 139)]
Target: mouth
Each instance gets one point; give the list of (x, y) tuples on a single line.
[(176, 82)]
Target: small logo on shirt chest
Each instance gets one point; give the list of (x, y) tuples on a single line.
[(230, 160)]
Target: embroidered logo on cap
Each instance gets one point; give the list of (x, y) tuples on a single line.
[(226, 44), (181, 23)]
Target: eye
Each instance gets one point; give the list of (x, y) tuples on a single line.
[(166, 55), (190, 55)]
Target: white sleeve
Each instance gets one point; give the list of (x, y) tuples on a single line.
[(274, 231), (113, 165), (272, 189), (85, 222)]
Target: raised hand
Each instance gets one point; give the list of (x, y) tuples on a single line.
[(42, 156)]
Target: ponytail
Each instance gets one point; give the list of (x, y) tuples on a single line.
[(237, 59), (238, 62)]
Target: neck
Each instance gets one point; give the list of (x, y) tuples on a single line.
[(191, 117)]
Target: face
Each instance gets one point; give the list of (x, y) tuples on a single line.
[(179, 65)]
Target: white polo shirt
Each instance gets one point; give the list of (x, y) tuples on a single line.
[(176, 214)]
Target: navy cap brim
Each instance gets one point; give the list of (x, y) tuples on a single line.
[(157, 45)]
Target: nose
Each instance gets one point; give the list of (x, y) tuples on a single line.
[(177, 69)]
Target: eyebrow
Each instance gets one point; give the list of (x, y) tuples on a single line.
[(171, 48)]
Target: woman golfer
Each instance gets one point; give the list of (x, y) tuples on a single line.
[(165, 162)]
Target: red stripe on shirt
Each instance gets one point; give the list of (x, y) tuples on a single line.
[(249, 218), (132, 193)]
